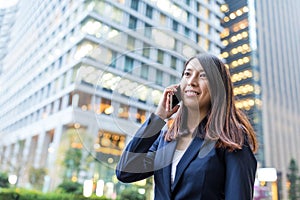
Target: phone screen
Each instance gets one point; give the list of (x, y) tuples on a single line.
[(175, 98)]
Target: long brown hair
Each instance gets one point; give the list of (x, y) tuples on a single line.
[(226, 124)]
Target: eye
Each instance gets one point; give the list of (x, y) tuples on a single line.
[(202, 75), (186, 73)]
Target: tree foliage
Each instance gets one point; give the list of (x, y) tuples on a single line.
[(4, 180), (293, 179)]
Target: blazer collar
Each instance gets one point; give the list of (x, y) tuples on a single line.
[(187, 157)]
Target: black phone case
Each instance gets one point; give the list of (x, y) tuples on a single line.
[(176, 98)]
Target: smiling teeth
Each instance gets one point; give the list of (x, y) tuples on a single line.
[(192, 92)]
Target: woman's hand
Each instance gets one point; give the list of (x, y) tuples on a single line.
[(164, 109)]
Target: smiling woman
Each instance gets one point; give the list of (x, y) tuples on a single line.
[(6, 4), (207, 153)]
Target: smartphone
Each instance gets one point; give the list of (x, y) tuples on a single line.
[(175, 99)]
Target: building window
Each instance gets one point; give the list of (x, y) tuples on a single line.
[(134, 4), (160, 56), (173, 80), (132, 22), (105, 106), (128, 64), (159, 77), (148, 30), (140, 115), (173, 62), (146, 50), (130, 42), (187, 32), (144, 71), (149, 11), (175, 26), (163, 20), (123, 111), (113, 62)]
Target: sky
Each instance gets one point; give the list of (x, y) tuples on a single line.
[(7, 3)]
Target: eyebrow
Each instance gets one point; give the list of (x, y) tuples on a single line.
[(191, 69)]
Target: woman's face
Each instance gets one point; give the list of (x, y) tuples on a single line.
[(194, 87)]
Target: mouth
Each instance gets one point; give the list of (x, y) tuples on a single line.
[(191, 93)]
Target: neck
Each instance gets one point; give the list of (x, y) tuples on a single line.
[(194, 118)]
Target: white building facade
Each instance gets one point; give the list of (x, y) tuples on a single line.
[(85, 74)]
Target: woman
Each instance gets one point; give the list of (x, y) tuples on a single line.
[(207, 153)]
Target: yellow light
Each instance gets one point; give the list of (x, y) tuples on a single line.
[(234, 51), (233, 39), (224, 8), (240, 61), (239, 12), (225, 42), (244, 34), (245, 9), (246, 59), (225, 55), (109, 110), (239, 36), (226, 19), (232, 16), (74, 179)]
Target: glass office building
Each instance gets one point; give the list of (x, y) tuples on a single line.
[(240, 53), (261, 51), (81, 76)]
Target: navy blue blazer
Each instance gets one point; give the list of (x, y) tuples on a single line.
[(219, 175)]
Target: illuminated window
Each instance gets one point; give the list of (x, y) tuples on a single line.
[(140, 115), (123, 111), (240, 25), (105, 106), (109, 146)]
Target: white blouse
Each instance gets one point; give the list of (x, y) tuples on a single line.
[(176, 158)]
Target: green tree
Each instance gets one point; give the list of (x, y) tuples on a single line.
[(70, 187), (293, 177), (36, 177), (131, 193), (72, 162), (4, 180)]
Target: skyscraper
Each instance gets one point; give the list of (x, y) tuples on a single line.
[(81, 76), (240, 53), (272, 48)]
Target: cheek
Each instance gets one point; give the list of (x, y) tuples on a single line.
[(205, 91)]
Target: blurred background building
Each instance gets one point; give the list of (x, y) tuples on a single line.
[(261, 40), (79, 77)]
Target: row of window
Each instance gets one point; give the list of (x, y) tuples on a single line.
[(100, 105), (134, 21)]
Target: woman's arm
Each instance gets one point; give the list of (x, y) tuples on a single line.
[(240, 174), (136, 162)]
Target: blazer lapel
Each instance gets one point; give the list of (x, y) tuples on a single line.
[(163, 161), (190, 153)]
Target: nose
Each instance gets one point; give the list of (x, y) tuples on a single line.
[(192, 81)]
